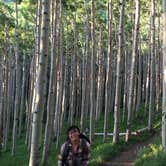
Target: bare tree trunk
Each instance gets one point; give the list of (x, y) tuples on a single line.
[(40, 84), (131, 84), (100, 82), (73, 73), (33, 72), (60, 76), (9, 100), (52, 91), (147, 83), (152, 67), (1, 99), (139, 87), (92, 82), (108, 71), (64, 98), (125, 86), (118, 73), (158, 59), (4, 99), (17, 90), (85, 68), (22, 107), (29, 104), (164, 79)]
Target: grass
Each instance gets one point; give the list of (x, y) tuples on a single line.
[(100, 152), (20, 158), (152, 155)]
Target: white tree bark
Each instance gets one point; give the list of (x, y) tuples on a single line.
[(152, 67), (40, 85), (85, 69), (164, 80), (52, 89), (1, 98), (100, 80), (139, 86), (108, 71), (92, 81), (118, 73), (73, 72), (131, 84), (17, 86), (23, 90)]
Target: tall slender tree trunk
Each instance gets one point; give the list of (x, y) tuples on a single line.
[(4, 97), (108, 71), (131, 84), (125, 86), (139, 86), (40, 84), (152, 67), (60, 75), (158, 61), (73, 72), (118, 73), (92, 82), (100, 82), (23, 89), (17, 86), (84, 71), (52, 91), (9, 100), (1, 99), (164, 79), (35, 61), (29, 105), (147, 82)]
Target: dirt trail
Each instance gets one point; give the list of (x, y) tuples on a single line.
[(128, 156)]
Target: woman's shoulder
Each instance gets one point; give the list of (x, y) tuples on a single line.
[(84, 142), (66, 143)]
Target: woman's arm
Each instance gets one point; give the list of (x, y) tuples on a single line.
[(63, 155)]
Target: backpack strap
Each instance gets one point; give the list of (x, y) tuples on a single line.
[(85, 149), (65, 152)]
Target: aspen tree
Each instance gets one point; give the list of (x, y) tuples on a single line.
[(92, 75), (23, 90), (108, 71), (52, 86), (118, 72), (131, 83), (152, 67), (38, 108), (100, 80), (84, 71), (1, 98), (164, 79), (33, 71), (17, 84), (73, 72), (58, 109)]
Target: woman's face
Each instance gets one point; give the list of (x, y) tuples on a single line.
[(74, 135)]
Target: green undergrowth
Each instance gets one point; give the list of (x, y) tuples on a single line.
[(100, 152), (152, 155)]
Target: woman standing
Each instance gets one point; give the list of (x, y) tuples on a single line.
[(75, 151)]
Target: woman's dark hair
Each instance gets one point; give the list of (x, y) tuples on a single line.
[(73, 127)]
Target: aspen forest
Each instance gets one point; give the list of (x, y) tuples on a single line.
[(97, 64)]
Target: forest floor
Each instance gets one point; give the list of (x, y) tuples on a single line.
[(128, 156)]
